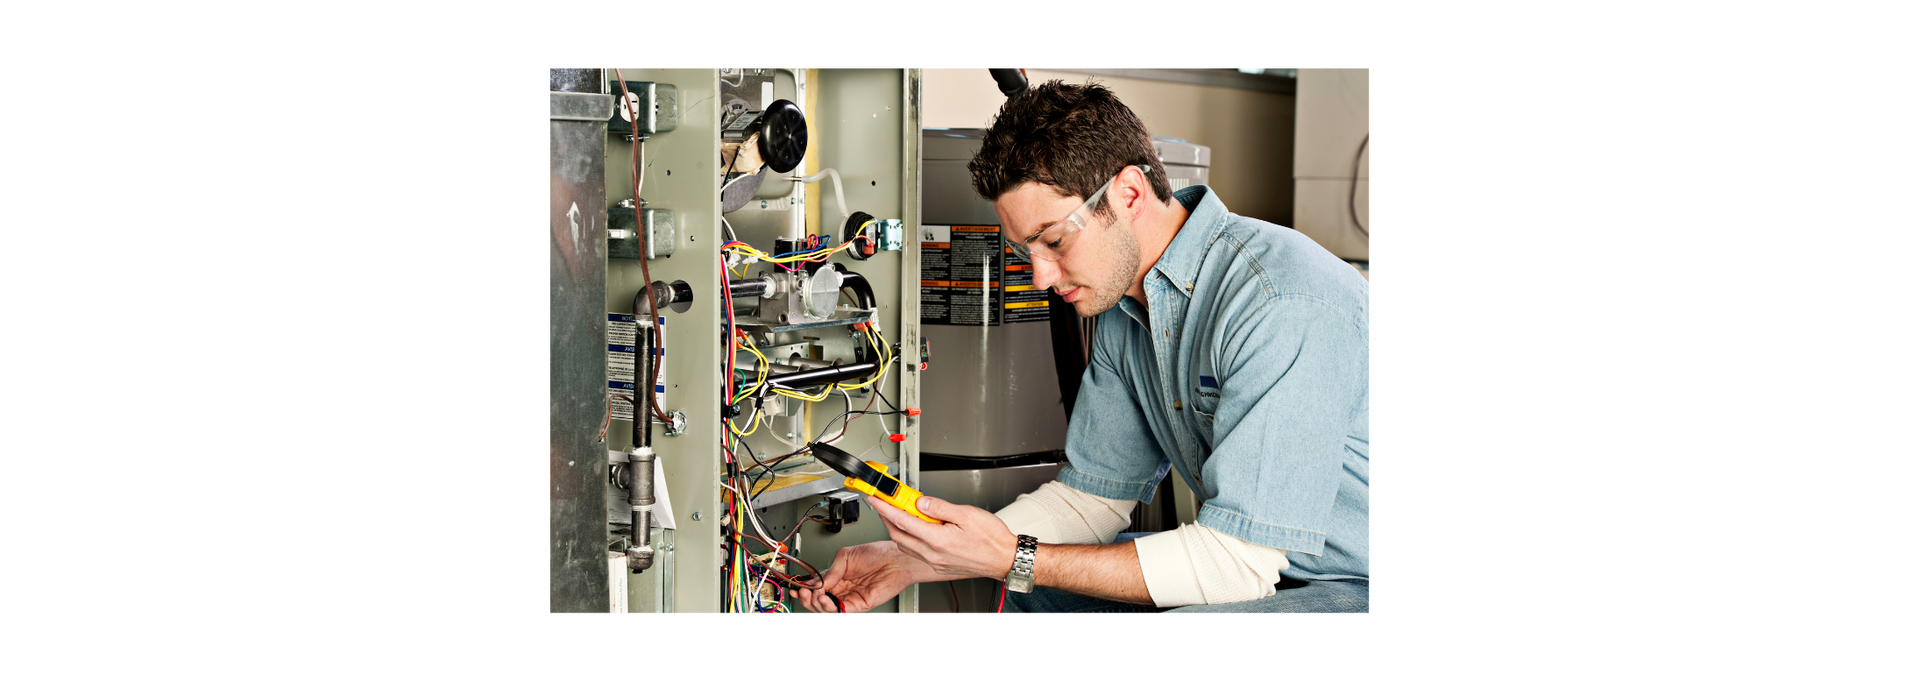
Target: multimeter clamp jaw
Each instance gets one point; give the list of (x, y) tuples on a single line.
[(872, 479)]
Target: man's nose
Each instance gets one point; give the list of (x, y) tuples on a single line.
[(1045, 273)]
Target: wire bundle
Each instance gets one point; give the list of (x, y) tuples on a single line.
[(744, 575), (816, 252)]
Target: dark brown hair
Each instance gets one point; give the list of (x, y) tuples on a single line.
[(1072, 137)]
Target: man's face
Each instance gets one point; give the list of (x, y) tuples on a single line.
[(1099, 266)]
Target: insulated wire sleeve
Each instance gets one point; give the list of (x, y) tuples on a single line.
[(838, 196)]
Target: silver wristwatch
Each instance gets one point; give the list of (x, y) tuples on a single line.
[(1020, 579)]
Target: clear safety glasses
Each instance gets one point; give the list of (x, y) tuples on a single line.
[(1052, 242)]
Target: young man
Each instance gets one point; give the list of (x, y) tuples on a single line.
[(1232, 351)]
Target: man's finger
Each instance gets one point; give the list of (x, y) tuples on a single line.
[(939, 508), (900, 520)]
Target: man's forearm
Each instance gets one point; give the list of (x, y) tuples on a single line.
[(1110, 572)]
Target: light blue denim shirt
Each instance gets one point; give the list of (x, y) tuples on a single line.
[(1247, 375)]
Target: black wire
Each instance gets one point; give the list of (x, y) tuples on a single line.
[(823, 432), (730, 162), (1353, 188)]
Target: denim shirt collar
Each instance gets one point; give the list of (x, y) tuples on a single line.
[(1180, 263)]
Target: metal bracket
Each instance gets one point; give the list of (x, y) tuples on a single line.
[(580, 106), (891, 235)]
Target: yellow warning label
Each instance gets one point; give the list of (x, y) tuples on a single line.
[(1028, 304), (1016, 287)]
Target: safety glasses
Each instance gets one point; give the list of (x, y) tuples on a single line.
[(1051, 243)]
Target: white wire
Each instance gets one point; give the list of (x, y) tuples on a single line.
[(764, 572), (883, 418), (838, 195)]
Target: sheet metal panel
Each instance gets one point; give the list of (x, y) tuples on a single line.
[(577, 373)]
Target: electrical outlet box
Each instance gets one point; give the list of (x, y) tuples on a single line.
[(659, 105), (658, 222)]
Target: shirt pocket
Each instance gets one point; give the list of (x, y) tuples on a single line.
[(1204, 396), (1204, 407)]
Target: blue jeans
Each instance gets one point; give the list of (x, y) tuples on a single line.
[(1311, 596)]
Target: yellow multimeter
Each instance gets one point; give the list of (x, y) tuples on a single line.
[(871, 478)]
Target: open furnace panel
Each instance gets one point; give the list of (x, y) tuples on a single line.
[(766, 265)]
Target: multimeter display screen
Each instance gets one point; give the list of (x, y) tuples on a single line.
[(886, 485)]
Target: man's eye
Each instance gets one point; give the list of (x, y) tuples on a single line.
[(1053, 244)]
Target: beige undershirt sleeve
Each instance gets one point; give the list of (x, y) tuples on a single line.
[(1189, 565), (1059, 515), (1194, 564)]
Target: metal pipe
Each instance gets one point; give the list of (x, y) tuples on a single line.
[(642, 381), (861, 289), (758, 287), (814, 377), (644, 373), (640, 496)]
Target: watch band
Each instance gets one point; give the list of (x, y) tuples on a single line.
[(1020, 579)]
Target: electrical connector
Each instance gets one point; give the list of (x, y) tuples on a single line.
[(843, 507), (897, 438), (913, 411)]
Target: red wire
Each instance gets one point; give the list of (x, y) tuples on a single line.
[(1002, 608)]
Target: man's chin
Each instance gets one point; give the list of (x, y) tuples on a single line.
[(1087, 306)]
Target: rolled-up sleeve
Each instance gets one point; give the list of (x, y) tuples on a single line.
[(1294, 377)]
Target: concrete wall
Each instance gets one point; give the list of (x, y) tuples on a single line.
[(1250, 133)]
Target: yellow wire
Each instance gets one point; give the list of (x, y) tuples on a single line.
[(815, 256), (879, 349), (801, 396), (761, 378)]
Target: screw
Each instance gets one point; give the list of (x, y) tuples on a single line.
[(689, 237), (696, 515)]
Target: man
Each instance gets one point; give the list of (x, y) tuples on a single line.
[(1231, 351)]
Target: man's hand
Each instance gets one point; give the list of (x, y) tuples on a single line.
[(973, 543), (863, 576)]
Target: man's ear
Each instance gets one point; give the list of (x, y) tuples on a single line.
[(1135, 191)]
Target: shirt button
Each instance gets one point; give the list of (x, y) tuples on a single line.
[(1176, 405)]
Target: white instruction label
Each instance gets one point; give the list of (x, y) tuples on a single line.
[(622, 334)]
